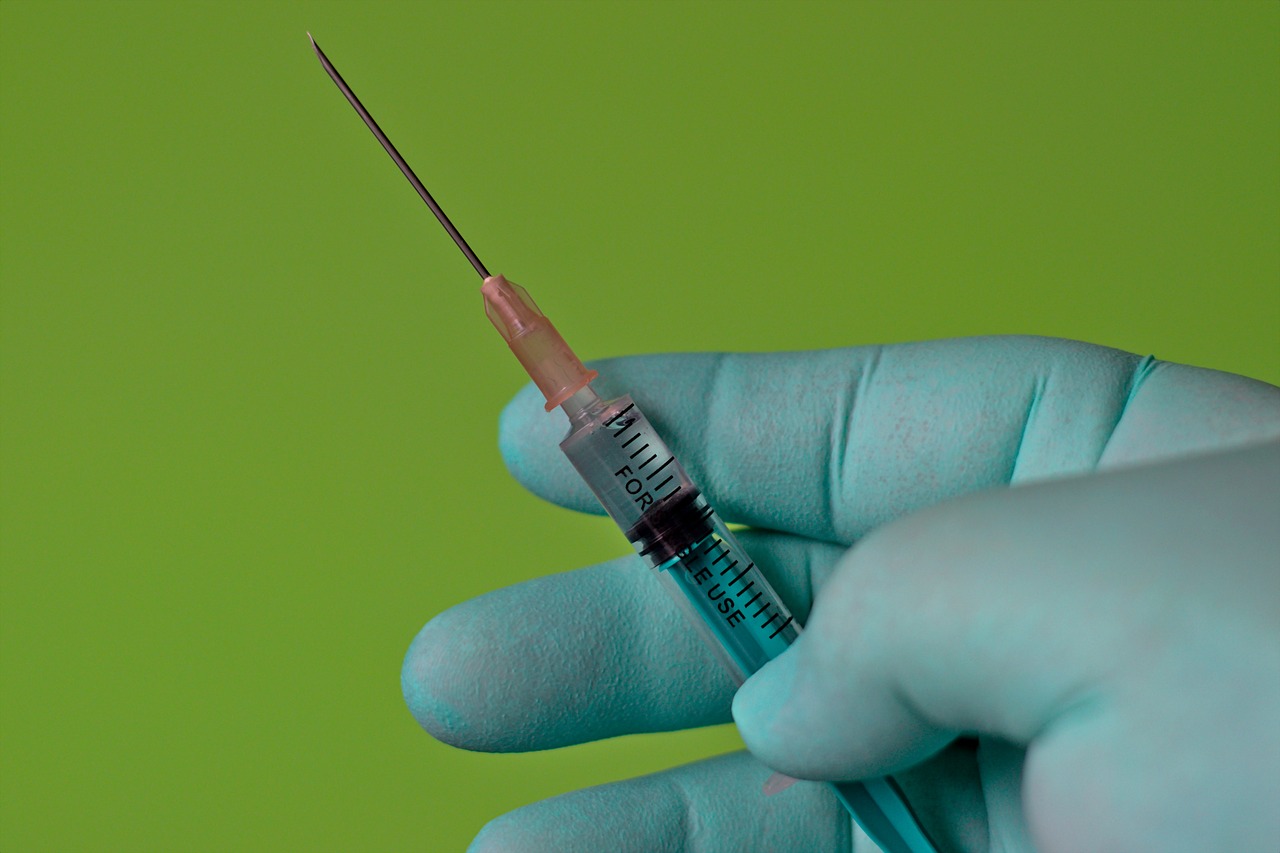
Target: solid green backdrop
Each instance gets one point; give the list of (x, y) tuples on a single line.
[(250, 398)]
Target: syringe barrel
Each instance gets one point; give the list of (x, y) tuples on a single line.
[(649, 495), (674, 529)]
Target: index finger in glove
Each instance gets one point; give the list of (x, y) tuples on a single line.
[(584, 655), (832, 444)]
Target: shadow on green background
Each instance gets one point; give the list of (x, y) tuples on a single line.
[(249, 395)]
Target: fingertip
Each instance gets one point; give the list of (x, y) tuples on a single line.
[(629, 816), (502, 835), (805, 718), (788, 721), (425, 681), (717, 803), (759, 706), (449, 683), (529, 440), (526, 431)]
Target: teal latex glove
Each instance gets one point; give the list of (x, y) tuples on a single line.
[(1089, 661)]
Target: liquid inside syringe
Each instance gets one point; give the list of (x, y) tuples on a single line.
[(677, 532), (648, 494)]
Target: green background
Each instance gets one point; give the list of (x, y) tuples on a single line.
[(250, 398)]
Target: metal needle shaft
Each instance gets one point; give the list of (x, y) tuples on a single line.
[(400, 161)]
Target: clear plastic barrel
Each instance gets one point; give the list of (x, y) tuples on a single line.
[(673, 527)]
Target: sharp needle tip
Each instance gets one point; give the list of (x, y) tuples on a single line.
[(395, 155)]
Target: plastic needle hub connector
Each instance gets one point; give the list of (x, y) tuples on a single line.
[(548, 360)]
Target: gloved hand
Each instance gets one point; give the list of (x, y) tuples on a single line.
[(1087, 661)]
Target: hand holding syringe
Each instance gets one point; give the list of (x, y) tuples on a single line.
[(649, 495), (1024, 617)]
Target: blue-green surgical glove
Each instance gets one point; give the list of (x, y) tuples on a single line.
[(1088, 661)]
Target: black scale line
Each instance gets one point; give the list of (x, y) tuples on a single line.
[(782, 627), (619, 414), (633, 438), (740, 575), (641, 450), (649, 476), (647, 461), (748, 586), (754, 597), (762, 608), (658, 487), (728, 568)]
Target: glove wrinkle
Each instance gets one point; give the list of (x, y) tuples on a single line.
[(1037, 393)]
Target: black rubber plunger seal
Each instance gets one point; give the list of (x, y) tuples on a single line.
[(672, 525)]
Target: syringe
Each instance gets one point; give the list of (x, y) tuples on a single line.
[(647, 493)]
